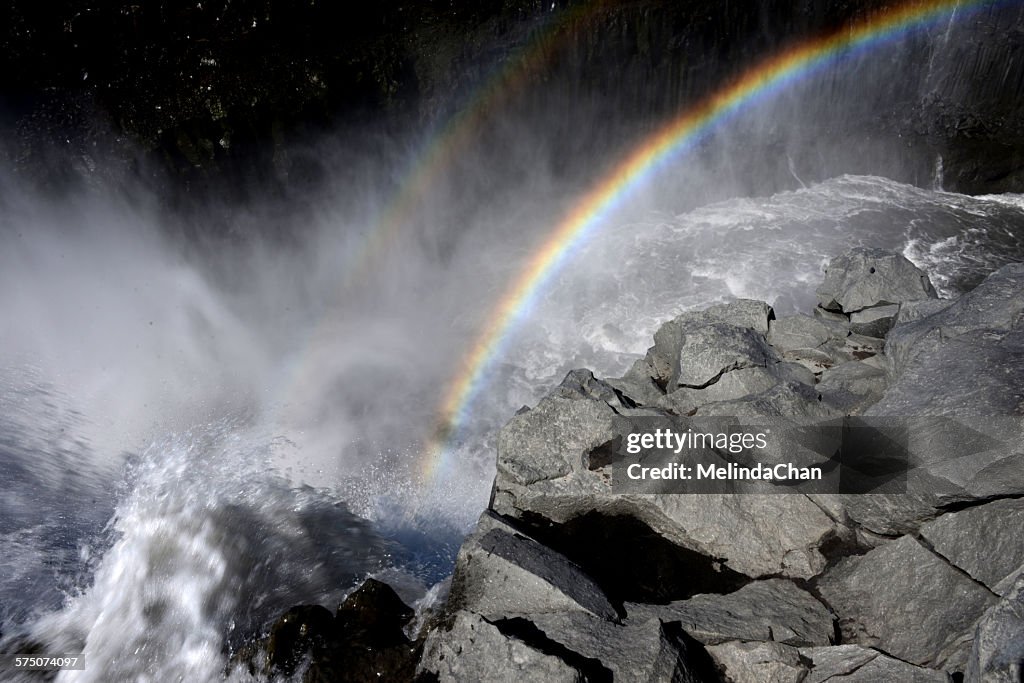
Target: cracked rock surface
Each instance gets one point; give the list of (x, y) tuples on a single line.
[(922, 586)]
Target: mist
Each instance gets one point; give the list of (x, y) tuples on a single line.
[(234, 379)]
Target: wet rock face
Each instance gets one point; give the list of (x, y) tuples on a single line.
[(565, 578), (363, 641)]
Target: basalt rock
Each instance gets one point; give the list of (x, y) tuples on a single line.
[(863, 278), (567, 577)]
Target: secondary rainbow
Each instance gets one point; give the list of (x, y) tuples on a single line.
[(677, 137)]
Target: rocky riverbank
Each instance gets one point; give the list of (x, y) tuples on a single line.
[(565, 578)]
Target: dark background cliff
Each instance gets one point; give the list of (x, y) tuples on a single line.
[(217, 92)]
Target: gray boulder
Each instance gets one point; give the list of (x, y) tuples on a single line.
[(855, 664), (470, 648), (743, 313), (985, 541), (771, 610), (501, 572), (875, 321), (852, 387), (863, 277), (907, 601), (636, 651), (799, 332), (996, 305), (997, 655), (759, 662)]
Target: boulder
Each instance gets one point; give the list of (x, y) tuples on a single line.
[(907, 601), (760, 662), (778, 663), (852, 387), (855, 664), (911, 311), (984, 541), (997, 654), (734, 385), (796, 332), (864, 277), (469, 648), (771, 610), (875, 321), (500, 572), (553, 439), (996, 305), (744, 313), (637, 650)]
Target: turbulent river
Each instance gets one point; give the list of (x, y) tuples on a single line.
[(186, 455)]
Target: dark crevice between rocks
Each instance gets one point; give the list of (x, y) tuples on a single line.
[(590, 669), (695, 658), (961, 505), (604, 455), (631, 562)]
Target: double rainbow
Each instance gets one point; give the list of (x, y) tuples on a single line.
[(671, 141)]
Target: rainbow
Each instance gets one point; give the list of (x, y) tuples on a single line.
[(438, 153), (677, 137)]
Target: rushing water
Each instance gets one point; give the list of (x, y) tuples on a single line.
[(181, 465)]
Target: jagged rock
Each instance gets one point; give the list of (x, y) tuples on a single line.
[(906, 601), (734, 385), (977, 373), (852, 386), (704, 353), (875, 321), (771, 610), (787, 399), (470, 648), (797, 332), (984, 541), (501, 572), (638, 650), (997, 304), (760, 662), (997, 655), (552, 464), (855, 664), (553, 440), (864, 277), (744, 313), (582, 384)]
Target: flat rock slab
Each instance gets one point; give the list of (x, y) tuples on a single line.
[(986, 541), (799, 332), (854, 664), (743, 313), (472, 649), (500, 572), (636, 651), (875, 321), (863, 277), (997, 304), (760, 662), (905, 600), (771, 610)]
